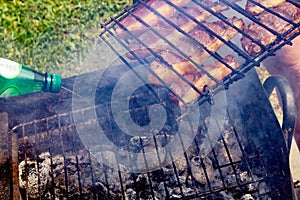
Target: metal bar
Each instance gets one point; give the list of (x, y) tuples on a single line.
[(64, 157), (37, 160), (176, 172), (52, 190), (25, 159), (161, 167), (102, 157), (244, 154), (231, 163), (147, 167), (202, 163), (77, 163), (15, 192), (92, 176), (215, 157), (5, 157), (120, 16)]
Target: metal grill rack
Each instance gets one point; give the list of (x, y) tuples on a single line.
[(230, 47), (47, 156)]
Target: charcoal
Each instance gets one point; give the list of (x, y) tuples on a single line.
[(232, 169), (202, 170), (247, 197), (33, 177)]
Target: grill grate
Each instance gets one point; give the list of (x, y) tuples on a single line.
[(236, 8), (62, 145)]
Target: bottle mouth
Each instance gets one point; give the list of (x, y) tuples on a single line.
[(53, 83)]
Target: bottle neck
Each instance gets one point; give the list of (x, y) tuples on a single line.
[(47, 82), (52, 83)]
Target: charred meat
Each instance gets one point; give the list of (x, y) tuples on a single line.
[(259, 33)]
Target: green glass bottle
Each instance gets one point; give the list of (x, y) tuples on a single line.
[(17, 79)]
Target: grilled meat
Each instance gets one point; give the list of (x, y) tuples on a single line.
[(218, 70), (183, 66), (169, 32), (149, 17), (211, 42), (279, 25), (195, 77), (163, 71), (169, 77), (254, 10), (193, 50)]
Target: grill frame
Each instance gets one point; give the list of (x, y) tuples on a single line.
[(57, 110), (61, 127)]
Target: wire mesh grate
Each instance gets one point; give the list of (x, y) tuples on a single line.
[(63, 154)]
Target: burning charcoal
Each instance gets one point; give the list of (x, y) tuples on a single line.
[(181, 164), (176, 193), (161, 191), (130, 194), (57, 165), (142, 187), (244, 177), (152, 153), (113, 179), (232, 145), (188, 191), (263, 188), (200, 166), (247, 197), (229, 176), (161, 139), (33, 177)]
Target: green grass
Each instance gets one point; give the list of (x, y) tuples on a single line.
[(52, 35)]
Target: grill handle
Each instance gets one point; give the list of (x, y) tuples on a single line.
[(287, 102)]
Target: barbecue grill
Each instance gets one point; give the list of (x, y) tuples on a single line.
[(105, 140)]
